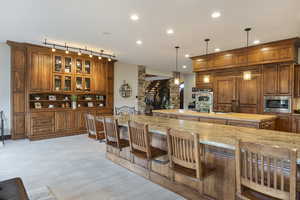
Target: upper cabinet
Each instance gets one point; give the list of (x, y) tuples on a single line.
[(277, 79), (99, 76), (40, 73), (274, 52)]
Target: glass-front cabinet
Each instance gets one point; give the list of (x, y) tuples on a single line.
[(79, 84), (87, 67), (72, 73), (57, 82), (87, 84), (68, 83), (79, 67), (57, 64), (68, 65)]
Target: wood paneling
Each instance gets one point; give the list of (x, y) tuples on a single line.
[(99, 77), (18, 80), (273, 52), (19, 102), (18, 126)]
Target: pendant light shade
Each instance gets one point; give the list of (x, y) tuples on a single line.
[(247, 75), (177, 75)]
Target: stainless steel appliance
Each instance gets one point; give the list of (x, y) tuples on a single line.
[(278, 104), (204, 101)]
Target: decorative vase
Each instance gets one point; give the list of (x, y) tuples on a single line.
[(74, 105)]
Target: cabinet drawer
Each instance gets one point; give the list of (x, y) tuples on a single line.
[(38, 122), (43, 129), (214, 121), (243, 124)]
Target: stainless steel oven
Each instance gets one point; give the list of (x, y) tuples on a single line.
[(278, 104)]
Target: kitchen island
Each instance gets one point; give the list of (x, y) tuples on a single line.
[(219, 144), (233, 119)]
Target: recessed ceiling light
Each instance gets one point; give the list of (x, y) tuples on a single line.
[(139, 42), (215, 14), (187, 55), (170, 31), (134, 17), (217, 50), (256, 42), (184, 66)]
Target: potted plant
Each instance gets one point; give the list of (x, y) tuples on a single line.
[(74, 101)]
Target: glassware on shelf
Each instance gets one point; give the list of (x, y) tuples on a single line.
[(68, 65), (57, 82), (78, 66), (68, 83), (79, 82), (58, 64), (87, 84), (87, 67)]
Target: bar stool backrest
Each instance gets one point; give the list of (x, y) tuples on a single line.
[(139, 137), (111, 129), (265, 169), (91, 124), (125, 110), (184, 150)]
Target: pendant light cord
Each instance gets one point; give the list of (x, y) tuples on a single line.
[(247, 30)]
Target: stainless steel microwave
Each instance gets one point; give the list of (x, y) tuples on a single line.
[(278, 104)]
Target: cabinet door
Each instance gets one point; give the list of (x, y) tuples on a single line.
[(80, 120), (99, 77), (225, 93), (64, 120), (40, 73), (284, 79), (270, 79), (283, 123), (248, 95), (296, 124), (297, 81)]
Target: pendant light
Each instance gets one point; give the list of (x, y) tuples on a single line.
[(177, 75), (53, 48), (247, 74), (206, 78)]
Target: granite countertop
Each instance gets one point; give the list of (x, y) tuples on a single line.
[(226, 116), (219, 135)]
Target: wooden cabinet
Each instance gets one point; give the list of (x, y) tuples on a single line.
[(284, 123), (99, 77), (42, 123), (277, 79), (273, 52), (224, 93), (248, 95), (39, 70), (297, 81), (64, 120), (296, 123)]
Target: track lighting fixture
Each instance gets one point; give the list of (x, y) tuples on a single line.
[(79, 51), (53, 48)]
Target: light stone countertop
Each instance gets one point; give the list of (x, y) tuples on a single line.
[(224, 136), (226, 116)]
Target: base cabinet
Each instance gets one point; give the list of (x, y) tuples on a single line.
[(62, 123), (283, 123), (296, 124)]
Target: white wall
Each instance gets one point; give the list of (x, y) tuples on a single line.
[(129, 73), (5, 84), (189, 82)]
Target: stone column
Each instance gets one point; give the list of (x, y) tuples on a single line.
[(141, 89), (174, 92)]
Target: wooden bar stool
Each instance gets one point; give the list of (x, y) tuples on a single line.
[(92, 130), (265, 172), (139, 140), (186, 156), (112, 134)]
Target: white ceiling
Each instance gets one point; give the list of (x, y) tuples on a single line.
[(83, 22)]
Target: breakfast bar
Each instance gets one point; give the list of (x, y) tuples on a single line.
[(234, 119), (219, 145)]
